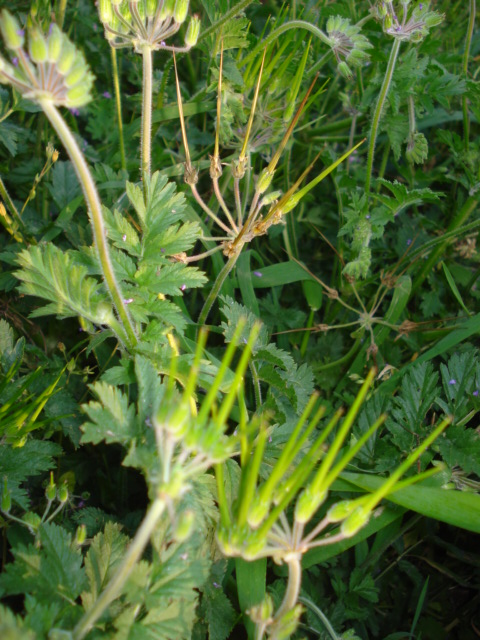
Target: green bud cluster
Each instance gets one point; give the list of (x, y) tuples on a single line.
[(349, 46), (130, 23), (53, 69), (415, 27), (417, 148)]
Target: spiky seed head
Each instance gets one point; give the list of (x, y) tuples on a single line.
[(12, 33), (193, 31)]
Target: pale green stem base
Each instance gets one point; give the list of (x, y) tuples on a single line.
[(290, 598), (146, 151), (212, 296), (96, 218), (114, 587)]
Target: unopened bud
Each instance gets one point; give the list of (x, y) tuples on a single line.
[(13, 35), (355, 521), (307, 505), (37, 46), (341, 510), (258, 513), (193, 31), (76, 74), (344, 70), (167, 9), (55, 42), (180, 11), (151, 8), (67, 57), (80, 535), (184, 527), (79, 96), (63, 493), (105, 11), (51, 490), (264, 180)]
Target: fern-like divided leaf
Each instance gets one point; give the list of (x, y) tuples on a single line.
[(49, 273)]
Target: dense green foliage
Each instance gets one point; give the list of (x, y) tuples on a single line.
[(304, 182)]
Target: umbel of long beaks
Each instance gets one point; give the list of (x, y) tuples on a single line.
[(50, 67), (147, 23)]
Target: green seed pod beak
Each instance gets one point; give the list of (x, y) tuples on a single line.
[(37, 47), (193, 31), (180, 11)]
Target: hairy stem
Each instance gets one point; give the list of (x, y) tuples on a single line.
[(96, 217), (293, 587), (378, 111), (146, 113), (114, 587), (118, 104), (217, 285), (466, 56)]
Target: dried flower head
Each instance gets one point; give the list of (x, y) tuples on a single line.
[(413, 26)]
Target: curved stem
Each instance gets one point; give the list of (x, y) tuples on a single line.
[(256, 385), (293, 24), (146, 114), (293, 587), (118, 104), (466, 55), (114, 587), (378, 111), (96, 217), (217, 285)]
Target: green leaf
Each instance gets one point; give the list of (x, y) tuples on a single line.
[(402, 197), (51, 274), (12, 627), (112, 418), (51, 571), (105, 554), (454, 288)]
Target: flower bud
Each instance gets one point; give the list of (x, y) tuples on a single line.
[(151, 8), (258, 513), (307, 505), (184, 527), (13, 35), (193, 31), (105, 11), (341, 510), (76, 74), (344, 70), (37, 46), (355, 521), (180, 11), (67, 57), (51, 490), (63, 493), (264, 180), (79, 96), (55, 42), (80, 535), (167, 9)]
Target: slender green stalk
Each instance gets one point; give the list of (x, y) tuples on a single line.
[(146, 151), (217, 285), (62, 7), (12, 209), (114, 587), (256, 385), (378, 111), (466, 56), (293, 587), (321, 616), (293, 24), (96, 218), (118, 104)]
